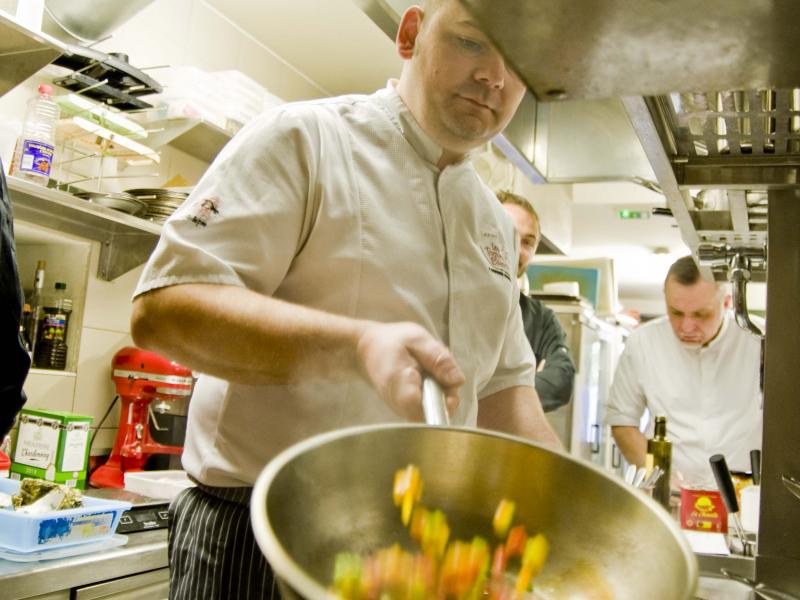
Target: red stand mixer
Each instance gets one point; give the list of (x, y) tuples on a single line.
[(140, 378)]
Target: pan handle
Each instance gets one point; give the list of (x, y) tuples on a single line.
[(433, 402)]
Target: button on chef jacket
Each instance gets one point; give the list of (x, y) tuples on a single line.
[(710, 395), (337, 204)]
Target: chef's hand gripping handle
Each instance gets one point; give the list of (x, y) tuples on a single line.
[(433, 402)]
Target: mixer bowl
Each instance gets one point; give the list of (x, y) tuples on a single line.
[(333, 493)]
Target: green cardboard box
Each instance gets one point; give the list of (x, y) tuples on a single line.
[(52, 445)]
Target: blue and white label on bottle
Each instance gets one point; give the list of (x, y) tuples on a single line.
[(37, 158)]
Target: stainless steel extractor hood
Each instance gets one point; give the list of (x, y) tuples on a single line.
[(713, 92), (566, 142), (613, 48)]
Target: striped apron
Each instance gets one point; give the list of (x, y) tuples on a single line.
[(213, 553)]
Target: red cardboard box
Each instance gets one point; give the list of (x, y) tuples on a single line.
[(703, 510)]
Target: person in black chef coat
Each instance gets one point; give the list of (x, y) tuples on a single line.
[(555, 372), (16, 360)]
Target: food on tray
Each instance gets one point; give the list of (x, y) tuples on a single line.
[(37, 496), (443, 569)]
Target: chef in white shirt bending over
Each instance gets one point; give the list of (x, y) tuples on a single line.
[(699, 369)]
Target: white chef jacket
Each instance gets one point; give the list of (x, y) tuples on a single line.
[(710, 395), (338, 205)]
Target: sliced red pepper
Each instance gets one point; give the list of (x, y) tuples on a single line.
[(515, 542)]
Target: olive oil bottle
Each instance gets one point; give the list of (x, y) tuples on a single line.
[(660, 448)]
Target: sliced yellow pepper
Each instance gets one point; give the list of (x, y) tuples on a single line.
[(502, 517), (536, 550)]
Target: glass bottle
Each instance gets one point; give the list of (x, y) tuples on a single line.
[(51, 350), (37, 304), (25, 327), (660, 448)]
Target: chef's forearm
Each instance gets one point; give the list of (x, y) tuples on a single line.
[(239, 335), (631, 443), (517, 411)]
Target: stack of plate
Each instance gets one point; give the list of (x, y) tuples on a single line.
[(122, 201), (160, 203)]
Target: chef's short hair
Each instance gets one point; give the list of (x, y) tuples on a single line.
[(685, 272), (507, 197)]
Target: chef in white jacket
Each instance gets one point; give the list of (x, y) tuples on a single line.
[(699, 369)]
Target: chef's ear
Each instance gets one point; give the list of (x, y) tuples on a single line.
[(408, 31)]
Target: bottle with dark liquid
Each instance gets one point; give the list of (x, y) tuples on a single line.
[(660, 448), (51, 349), (25, 327)]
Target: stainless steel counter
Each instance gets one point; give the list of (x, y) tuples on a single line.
[(145, 551)]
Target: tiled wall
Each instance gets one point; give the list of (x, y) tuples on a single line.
[(167, 32)]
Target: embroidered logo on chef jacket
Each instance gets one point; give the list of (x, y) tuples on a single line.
[(202, 210), (496, 253)]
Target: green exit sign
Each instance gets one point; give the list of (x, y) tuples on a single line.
[(629, 214)]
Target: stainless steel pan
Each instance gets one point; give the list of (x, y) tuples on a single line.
[(332, 493)]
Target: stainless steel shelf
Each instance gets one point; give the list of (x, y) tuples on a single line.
[(23, 52), (125, 241), (196, 137)]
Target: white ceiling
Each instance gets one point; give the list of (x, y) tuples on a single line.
[(333, 42), (340, 49)]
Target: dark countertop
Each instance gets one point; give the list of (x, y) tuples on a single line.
[(145, 551)]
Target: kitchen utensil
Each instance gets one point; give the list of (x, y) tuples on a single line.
[(651, 479), (433, 403), (119, 201), (639, 477), (791, 484), (332, 493), (755, 466), (728, 492), (630, 473), (160, 203)]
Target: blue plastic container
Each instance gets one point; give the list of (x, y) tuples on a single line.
[(95, 520)]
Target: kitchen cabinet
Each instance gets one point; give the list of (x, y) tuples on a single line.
[(139, 569), (153, 585)]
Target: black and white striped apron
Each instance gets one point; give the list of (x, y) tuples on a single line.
[(213, 553)]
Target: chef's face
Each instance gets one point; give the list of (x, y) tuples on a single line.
[(528, 229), (454, 81), (695, 311)]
